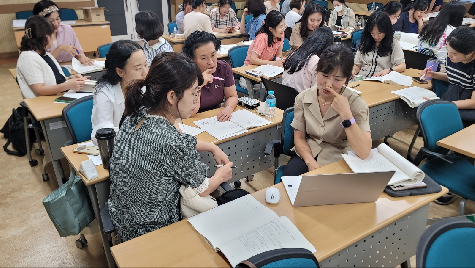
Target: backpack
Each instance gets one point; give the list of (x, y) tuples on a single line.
[(14, 132)]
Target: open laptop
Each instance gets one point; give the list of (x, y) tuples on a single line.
[(314, 190)]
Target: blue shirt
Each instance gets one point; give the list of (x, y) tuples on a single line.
[(179, 22), (461, 74), (404, 25), (254, 25)]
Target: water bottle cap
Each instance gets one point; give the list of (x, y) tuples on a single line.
[(105, 133), (271, 92)]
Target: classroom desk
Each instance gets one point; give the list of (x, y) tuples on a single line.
[(460, 142), (363, 13), (13, 72), (226, 39), (90, 34), (384, 232), (242, 72)]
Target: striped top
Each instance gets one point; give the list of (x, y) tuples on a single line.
[(461, 74)]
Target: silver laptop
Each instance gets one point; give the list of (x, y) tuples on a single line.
[(314, 190)]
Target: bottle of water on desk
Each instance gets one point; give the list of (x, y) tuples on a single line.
[(270, 104), (174, 32)]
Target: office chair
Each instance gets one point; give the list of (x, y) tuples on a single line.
[(237, 56), (447, 243), (24, 15), (68, 14), (282, 146), (171, 27), (283, 257), (355, 39), (286, 45), (248, 18), (77, 115), (376, 5), (233, 6), (322, 3), (437, 120), (284, 95), (415, 59), (102, 50)]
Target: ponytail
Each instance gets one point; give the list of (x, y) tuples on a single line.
[(134, 97)]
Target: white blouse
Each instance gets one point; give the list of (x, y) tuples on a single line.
[(109, 106)]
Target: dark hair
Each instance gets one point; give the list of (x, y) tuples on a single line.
[(451, 14), (296, 4), (341, 1), (36, 30), (418, 5), (273, 19), (309, 10), (148, 25), (318, 41), (334, 57), (198, 39), (392, 7), (462, 40), (197, 3), (256, 7), (166, 74), (225, 2), (117, 57), (381, 20), (41, 5), (187, 2)]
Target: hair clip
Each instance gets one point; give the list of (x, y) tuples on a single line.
[(28, 32), (48, 10)]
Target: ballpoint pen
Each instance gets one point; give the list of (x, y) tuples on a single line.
[(218, 78), (430, 68), (218, 166)]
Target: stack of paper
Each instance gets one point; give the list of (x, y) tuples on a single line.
[(18, 23), (407, 46), (415, 96), (266, 70), (468, 21), (193, 131), (96, 159), (393, 78), (81, 68), (224, 49)]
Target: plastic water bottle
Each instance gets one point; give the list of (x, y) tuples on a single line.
[(270, 104), (373, 7), (174, 32)]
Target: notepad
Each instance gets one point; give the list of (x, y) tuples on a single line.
[(244, 228), (82, 69), (266, 70), (193, 131), (240, 122), (383, 158), (414, 96), (224, 49), (393, 78), (71, 96)]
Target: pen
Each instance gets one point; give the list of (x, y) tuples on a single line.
[(430, 68), (218, 166), (355, 86), (76, 50), (218, 78)]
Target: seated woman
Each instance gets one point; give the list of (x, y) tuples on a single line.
[(411, 20), (341, 15), (378, 53), (268, 43), (460, 72), (434, 33), (297, 8), (64, 43), (196, 20), (150, 29), (125, 62), (272, 5), (257, 9), (223, 18), (144, 192), (329, 103), (301, 67), (393, 9), (38, 72), (202, 48), (179, 18), (312, 18)]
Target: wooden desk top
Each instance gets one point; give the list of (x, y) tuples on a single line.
[(218, 35), (43, 107), (329, 228), (460, 142), (79, 23), (375, 93), (242, 72), (13, 72), (363, 13), (75, 160)]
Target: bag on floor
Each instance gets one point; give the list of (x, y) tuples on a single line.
[(192, 204), (14, 132), (69, 207)]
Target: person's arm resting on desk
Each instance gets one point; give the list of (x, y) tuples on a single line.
[(75, 82)]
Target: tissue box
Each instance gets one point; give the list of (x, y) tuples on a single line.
[(93, 14)]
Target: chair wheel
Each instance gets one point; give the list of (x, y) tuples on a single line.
[(81, 243), (45, 176), (40, 151), (237, 184), (33, 163)]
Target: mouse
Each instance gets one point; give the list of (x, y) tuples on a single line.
[(272, 195)]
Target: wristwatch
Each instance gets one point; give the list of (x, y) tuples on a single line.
[(348, 123)]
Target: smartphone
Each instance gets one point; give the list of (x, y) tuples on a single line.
[(419, 80)]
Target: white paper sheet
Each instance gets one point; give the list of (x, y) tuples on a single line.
[(96, 159), (292, 184), (193, 131), (268, 70), (81, 68), (220, 130), (247, 119), (407, 46), (394, 78), (18, 23), (224, 49)]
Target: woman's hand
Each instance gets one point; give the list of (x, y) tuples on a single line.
[(225, 114), (313, 165), (341, 105), (225, 172), (75, 83), (427, 73), (71, 50), (84, 60), (219, 156), (382, 73), (207, 77), (245, 12)]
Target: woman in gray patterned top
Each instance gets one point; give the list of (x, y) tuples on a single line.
[(151, 158)]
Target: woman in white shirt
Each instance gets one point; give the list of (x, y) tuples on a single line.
[(38, 72), (125, 62), (297, 7)]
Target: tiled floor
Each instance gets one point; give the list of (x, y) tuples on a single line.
[(27, 236)]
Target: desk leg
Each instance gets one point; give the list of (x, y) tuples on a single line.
[(58, 169)]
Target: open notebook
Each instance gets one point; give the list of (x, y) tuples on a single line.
[(393, 78), (82, 69), (244, 228), (240, 122), (266, 70), (414, 96), (383, 158)]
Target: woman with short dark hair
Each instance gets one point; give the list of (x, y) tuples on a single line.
[(411, 20), (296, 8), (257, 9), (38, 72), (150, 29), (393, 9), (312, 18)]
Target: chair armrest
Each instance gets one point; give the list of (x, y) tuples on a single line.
[(69, 142), (434, 154), (107, 224), (226, 187), (271, 144)]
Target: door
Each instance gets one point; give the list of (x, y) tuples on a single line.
[(115, 14)]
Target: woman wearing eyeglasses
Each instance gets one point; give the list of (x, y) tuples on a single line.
[(393, 9)]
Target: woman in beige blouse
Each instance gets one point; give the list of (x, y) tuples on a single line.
[(378, 53), (312, 18), (272, 5), (329, 119), (342, 15)]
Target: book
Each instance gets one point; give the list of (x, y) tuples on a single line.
[(266, 70), (193, 131), (240, 122), (393, 78), (71, 96), (244, 228), (383, 158), (407, 45), (82, 69), (414, 96)]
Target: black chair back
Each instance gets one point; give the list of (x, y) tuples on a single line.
[(285, 95), (415, 59)]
